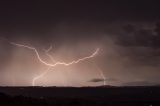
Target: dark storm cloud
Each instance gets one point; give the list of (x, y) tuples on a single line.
[(132, 26), (97, 80), (70, 21), (40, 16), (141, 41), (101, 80), (157, 28), (133, 35)]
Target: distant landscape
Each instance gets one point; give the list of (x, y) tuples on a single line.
[(81, 96)]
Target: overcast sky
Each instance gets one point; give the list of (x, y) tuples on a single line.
[(127, 33)]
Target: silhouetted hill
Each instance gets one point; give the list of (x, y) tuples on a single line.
[(82, 96)]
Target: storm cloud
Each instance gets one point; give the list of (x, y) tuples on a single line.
[(127, 34)]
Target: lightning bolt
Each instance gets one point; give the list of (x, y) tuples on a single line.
[(101, 74), (50, 56), (49, 64), (48, 69), (57, 63), (41, 75)]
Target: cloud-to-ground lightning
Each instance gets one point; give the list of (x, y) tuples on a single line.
[(50, 65), (41, 75), (48, 69), (101, 74)]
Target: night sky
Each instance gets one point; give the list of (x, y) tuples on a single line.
[(126, 32)]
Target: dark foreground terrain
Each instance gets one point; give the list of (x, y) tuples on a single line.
[(85, 96)]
